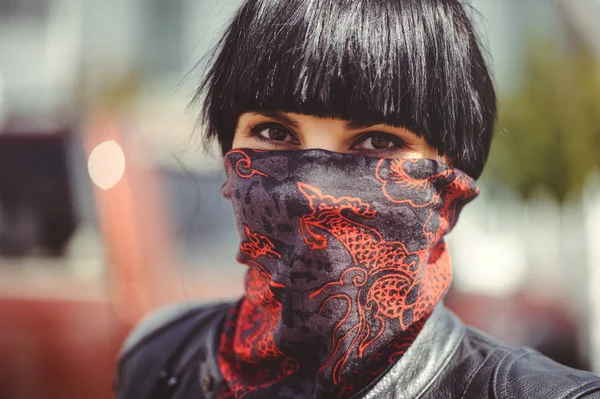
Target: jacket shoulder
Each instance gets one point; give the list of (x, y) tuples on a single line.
[(501, 372), (157, 348), (153, 322)]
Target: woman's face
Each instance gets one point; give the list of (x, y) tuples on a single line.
[(290, 131)]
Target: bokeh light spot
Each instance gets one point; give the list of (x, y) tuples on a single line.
[(106, 164)]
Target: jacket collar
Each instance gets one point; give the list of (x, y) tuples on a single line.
[(423, 362), (408, 378)]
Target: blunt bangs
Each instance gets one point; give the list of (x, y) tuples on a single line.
[(408, 63)]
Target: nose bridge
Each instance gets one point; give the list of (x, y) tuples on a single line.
[(324, 136)]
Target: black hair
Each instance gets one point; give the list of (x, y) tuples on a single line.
[(410, 63)]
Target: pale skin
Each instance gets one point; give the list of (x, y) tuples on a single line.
[(291, 131)]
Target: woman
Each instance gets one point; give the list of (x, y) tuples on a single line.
[(353, 132)]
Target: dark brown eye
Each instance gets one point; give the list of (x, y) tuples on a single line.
[(379, 142), (273, 132)]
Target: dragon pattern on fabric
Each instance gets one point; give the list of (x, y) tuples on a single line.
[(346, 261)]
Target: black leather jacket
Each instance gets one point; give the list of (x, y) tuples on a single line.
[(172, 354)]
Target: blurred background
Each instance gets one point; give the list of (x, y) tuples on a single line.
[(110, 207)]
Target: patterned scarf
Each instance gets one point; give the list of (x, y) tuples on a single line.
[(346, 261)]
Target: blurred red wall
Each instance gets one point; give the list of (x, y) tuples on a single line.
[(58, 348)]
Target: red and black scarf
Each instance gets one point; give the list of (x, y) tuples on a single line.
[(346, 260)]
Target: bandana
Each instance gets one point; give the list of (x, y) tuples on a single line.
[(346, 261)]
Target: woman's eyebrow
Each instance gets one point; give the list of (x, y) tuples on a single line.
[(354, 125), (280, 117)]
